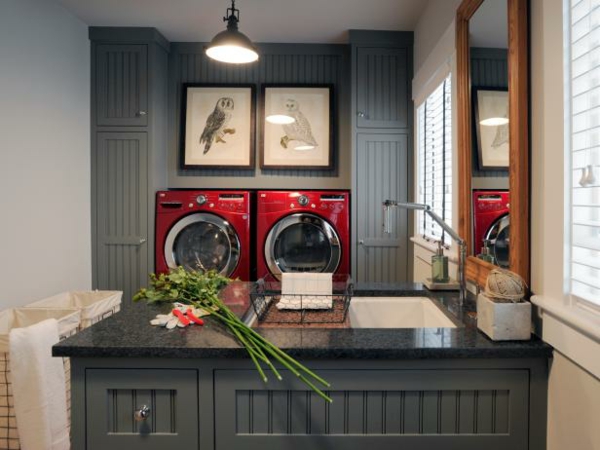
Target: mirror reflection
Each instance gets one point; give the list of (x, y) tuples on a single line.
[(488, 54)]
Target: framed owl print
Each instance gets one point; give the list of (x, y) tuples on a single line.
[(218, 124), (297, 127), (491, 124)]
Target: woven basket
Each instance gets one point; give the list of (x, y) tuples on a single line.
[(68, 323)]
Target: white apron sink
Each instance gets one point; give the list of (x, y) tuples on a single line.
[(397, 312)]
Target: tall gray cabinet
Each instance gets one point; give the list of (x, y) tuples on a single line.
[(129, 145), (382, 152)]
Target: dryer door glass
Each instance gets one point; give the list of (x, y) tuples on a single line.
[(498, 235), (302, 243), (203, 242)]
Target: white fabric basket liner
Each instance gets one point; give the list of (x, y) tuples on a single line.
[(92, 304), (68, 320)]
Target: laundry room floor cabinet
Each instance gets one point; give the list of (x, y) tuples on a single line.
[(128, 164), (414, 389)]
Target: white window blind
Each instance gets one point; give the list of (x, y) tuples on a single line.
[(434, 134), (583, 94)]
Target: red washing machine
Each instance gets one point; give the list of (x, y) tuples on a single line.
[(491, 221), (303, 231), (203, 230)]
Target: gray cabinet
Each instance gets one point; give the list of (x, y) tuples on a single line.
[(115, 398), (222, 404), (129, 117), (389, 409), (382, 139), (121, 85), (382, 99), (121, 187), (381, 173)]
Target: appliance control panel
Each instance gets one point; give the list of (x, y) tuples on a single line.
[(234, 202), (274, 201)]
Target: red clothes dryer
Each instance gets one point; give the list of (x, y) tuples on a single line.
[(491, 221), (204, 230), (303, 231)]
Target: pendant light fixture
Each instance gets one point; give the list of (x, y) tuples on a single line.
[(232, 46)]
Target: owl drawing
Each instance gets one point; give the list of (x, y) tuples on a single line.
[(299, 130), (502, 135), (216, 123)]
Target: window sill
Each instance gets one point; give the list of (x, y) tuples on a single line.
[(432, 247), (571, 331)]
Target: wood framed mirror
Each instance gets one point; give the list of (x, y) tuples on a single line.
[(518, 128)]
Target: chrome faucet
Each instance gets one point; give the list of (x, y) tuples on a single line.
[(462, 245)]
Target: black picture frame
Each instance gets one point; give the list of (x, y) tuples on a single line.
[(235, 141), (275, 151), (493, 141)]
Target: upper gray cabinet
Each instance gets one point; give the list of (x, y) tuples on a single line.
[(382, 87), (121, 85)]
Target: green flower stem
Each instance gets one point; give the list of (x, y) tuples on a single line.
[(233, 322), (288, 357), (294, 371), (253, 354)]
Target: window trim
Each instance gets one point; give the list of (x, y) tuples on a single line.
[(421, 170)]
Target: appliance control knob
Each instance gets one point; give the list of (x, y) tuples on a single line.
[(201, 199), (303, 200)]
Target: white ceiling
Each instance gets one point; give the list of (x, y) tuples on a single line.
[(301, 21), (489, 25)]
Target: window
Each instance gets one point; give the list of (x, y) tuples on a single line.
[(434, 134), (582, 32)]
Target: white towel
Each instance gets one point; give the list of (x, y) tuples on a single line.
[(306, 291), (38, 382)]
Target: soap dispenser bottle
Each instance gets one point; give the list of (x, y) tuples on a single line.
[(439, 266), (486, 253)]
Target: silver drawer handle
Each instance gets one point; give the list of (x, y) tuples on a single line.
[(141, 414), (142, 113), (361, 114)]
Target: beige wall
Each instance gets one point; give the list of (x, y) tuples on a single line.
[(574, 394), (45, 236), (573, 407), (432, 24)]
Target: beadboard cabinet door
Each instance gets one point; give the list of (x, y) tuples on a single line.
[(114, 396), (121, 85), (381, 174), (382, 88), (121, 211), (383, 409)]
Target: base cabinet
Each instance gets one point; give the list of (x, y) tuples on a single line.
[(224, 405), (141, 408)]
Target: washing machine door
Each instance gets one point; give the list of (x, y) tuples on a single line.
[(202, 242), (498, 235), (302, 242)]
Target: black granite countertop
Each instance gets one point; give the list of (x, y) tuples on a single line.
[(129, 334)]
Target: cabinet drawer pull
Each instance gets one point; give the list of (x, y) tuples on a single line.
[(142, 113), (141, 414)]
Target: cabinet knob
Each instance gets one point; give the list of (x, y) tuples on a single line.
[(141, 414), (361, 114), (142, 113), (361, 242)]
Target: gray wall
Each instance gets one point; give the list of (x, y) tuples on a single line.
[(489, 68), (279, 63), (45, 236)]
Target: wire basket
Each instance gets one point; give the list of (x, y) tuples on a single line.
[(268, 303)]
